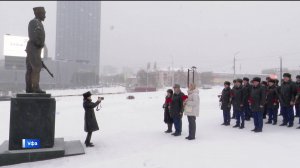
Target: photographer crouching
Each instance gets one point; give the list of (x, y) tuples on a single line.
[(90, 121)]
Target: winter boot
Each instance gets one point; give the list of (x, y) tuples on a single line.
[(236, 126), (169, 128), (283, 124), (242, 126)]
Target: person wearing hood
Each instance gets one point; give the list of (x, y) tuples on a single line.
[(90, 121), (191, 109)]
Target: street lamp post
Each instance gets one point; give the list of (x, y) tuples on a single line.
[(193, 69)]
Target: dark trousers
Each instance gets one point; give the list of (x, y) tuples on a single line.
[(226, 116), (297, 109), (272, 113), (192, 126), (88, 138), (258, 120), (233, 113), (177, 124), (288, 115), (247, 112), (265, 112), (240, 116)]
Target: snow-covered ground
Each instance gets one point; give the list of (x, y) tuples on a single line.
[(132, 136)]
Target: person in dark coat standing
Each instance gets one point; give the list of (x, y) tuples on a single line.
[(257, 102), (238, 98), (265, 85), (176, 109), (225, 101), (167, 116), (90, 121), (272, 102), (288, 92), (297, 103), (233, 110), (246, 94)]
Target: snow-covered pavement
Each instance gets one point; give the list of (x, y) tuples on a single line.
[(132, 136)]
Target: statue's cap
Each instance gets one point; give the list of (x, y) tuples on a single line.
[(38, 9)]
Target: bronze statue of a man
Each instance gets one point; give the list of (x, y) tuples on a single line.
[(34, 48)]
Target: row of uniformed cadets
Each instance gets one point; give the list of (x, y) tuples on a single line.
[(257, 99)]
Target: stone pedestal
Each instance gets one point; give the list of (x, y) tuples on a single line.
[(61, 148), (32, 116)]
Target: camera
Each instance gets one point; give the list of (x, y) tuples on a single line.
[(101, 98)]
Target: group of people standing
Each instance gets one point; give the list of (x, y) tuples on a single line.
[(176, 104), (258, 99)]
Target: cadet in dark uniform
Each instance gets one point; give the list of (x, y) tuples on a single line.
[(265, 85), (225, 100), (288, 92), (297, 103), (246, 94), (234, 112), (238, 98), (258, 99), (272, 102), (34, 47)]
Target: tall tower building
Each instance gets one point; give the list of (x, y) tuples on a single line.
[(78, 34)]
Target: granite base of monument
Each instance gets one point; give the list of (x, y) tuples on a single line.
[(61, 148), (32, 116), (32, 125)]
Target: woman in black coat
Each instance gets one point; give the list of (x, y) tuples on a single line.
[(167, 117), (90, 121)]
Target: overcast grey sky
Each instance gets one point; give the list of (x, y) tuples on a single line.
[(204, 34)]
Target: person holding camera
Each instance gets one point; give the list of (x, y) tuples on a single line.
[(90, 121)]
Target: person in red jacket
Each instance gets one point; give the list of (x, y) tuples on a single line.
[(167, 117)]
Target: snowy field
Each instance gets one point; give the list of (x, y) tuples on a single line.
[(132, 136)]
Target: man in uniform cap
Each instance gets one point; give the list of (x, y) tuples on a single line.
[(258, 99), (288, 92), (225, 101), (297, 104), (34, 48), (238, 98), (234, 112), (176, 109), (246, 94), (272, 103)]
